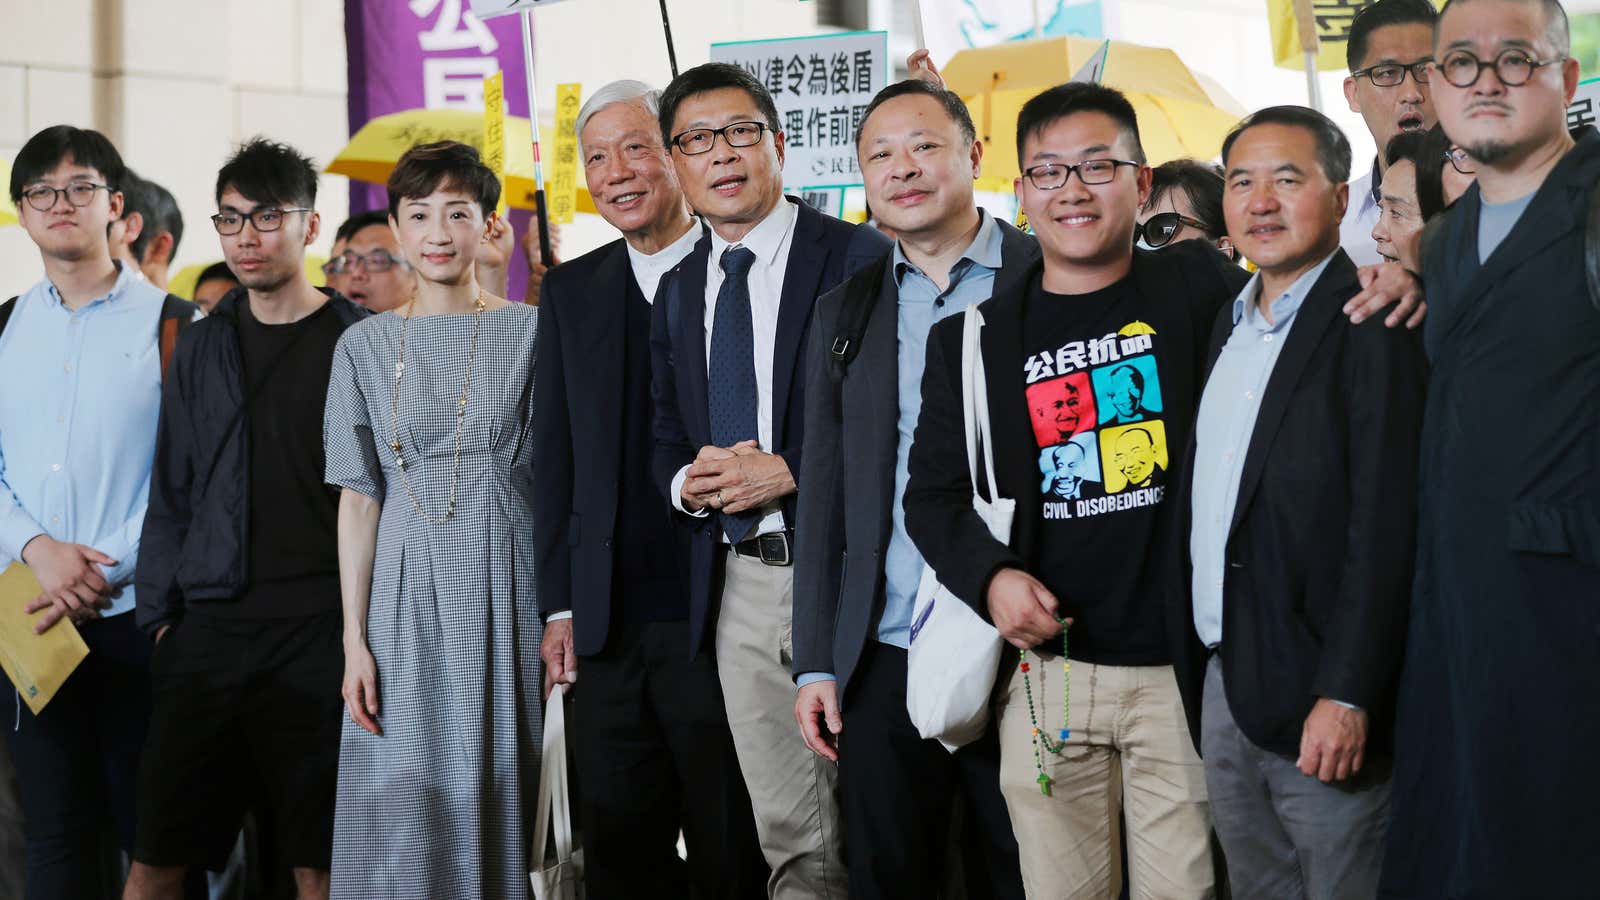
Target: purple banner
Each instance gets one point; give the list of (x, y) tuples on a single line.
[(430, 54)]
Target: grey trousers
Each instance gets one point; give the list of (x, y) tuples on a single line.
[(1288, 835), (794, 793)]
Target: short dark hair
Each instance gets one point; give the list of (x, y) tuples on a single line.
[(1072, 98), (1200, 182), (712, 77), (1430, 163), (361, 221), (159, 209), (1138, 376), (269, 172), (1557, 27), (1382, 14), (1333, 148), (59, 143), (950, 100), (214, 272), (452, 165)]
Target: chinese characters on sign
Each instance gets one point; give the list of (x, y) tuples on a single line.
[(822, 86), (1332, 19), (454, 81), (494, 131), (1584, 102), (563, 192)]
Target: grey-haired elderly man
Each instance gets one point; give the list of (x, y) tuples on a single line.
[(652, 746)]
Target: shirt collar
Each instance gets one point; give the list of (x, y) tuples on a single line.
[(1285, 305), (125, 277), (985, 249), (764, 240), (671, 253), (1372, 187)]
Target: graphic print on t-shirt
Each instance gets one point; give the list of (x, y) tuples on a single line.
[(1096, 406)]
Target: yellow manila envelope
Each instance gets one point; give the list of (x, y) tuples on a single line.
[(37, 664)]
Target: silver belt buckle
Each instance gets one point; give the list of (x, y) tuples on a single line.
[(775, 549)]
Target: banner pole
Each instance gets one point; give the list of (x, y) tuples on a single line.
[(542, 214), (666, 26), (1310, 44)]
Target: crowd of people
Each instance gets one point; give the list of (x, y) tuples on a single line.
[(1282, 619)]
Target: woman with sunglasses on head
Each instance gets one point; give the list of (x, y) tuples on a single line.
[(1185, 204), (426, 434)]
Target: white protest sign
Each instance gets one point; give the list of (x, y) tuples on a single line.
[(821, 86), (1585, 107), (488, 9)]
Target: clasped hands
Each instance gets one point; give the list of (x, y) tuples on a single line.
[(735, 479), (72, 583)]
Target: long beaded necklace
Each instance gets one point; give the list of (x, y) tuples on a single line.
[(1042, 741), (478, 307)]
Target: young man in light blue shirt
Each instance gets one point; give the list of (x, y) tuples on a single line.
[(80, 354)]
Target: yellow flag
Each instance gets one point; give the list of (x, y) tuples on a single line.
[(494, 131), (1330, 18), (563, 193)]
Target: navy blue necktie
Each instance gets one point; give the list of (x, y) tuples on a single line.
[(731, 371)]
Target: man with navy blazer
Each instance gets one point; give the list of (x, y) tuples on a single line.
[(650, 738), (1298, 508), (727, 333)]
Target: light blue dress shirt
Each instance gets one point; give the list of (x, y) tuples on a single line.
[(80, 393), (921, 304), (1228, 410)]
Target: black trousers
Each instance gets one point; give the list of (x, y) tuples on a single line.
[(653, 757), (900, 792), (77, 763)]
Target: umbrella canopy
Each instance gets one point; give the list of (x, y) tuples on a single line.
[(8, 212), (371, 155), (1177, 116)]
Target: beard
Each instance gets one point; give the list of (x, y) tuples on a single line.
[(1492, 153)]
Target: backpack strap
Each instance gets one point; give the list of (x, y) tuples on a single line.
[(860, 296), (176, 314), (1591, 246), (6, 309)]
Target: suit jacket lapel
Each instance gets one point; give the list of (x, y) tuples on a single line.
[(606, 327), (692, 320), (800, 279), (1320, 310)]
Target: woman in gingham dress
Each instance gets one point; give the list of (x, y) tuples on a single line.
[(426, 432)]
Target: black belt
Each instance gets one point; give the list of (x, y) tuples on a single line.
[(775, 549)]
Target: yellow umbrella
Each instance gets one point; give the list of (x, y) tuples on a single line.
[(1177, 117), (371, 155), (8, 213)]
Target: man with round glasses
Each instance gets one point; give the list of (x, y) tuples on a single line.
[(1390, 47), (1494, 793), (366, 266)]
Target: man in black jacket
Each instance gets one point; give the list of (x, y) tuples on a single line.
[(852, 623), (238, 581), (1495, 793), (1094, 305), (610, 563), (728, 380), (1299, 506)]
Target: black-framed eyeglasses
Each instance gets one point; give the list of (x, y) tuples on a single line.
[(379, 260), (1391, 74), (1159, 230), (79, 193), (1513, 67), (696, 141), (1461, 161), (268, 218), (1051, 176)]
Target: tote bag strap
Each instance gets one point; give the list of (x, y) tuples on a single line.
[(554, 798), (975, 402)]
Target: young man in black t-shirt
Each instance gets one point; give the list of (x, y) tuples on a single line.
[(1087, 463), (239, 575)]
